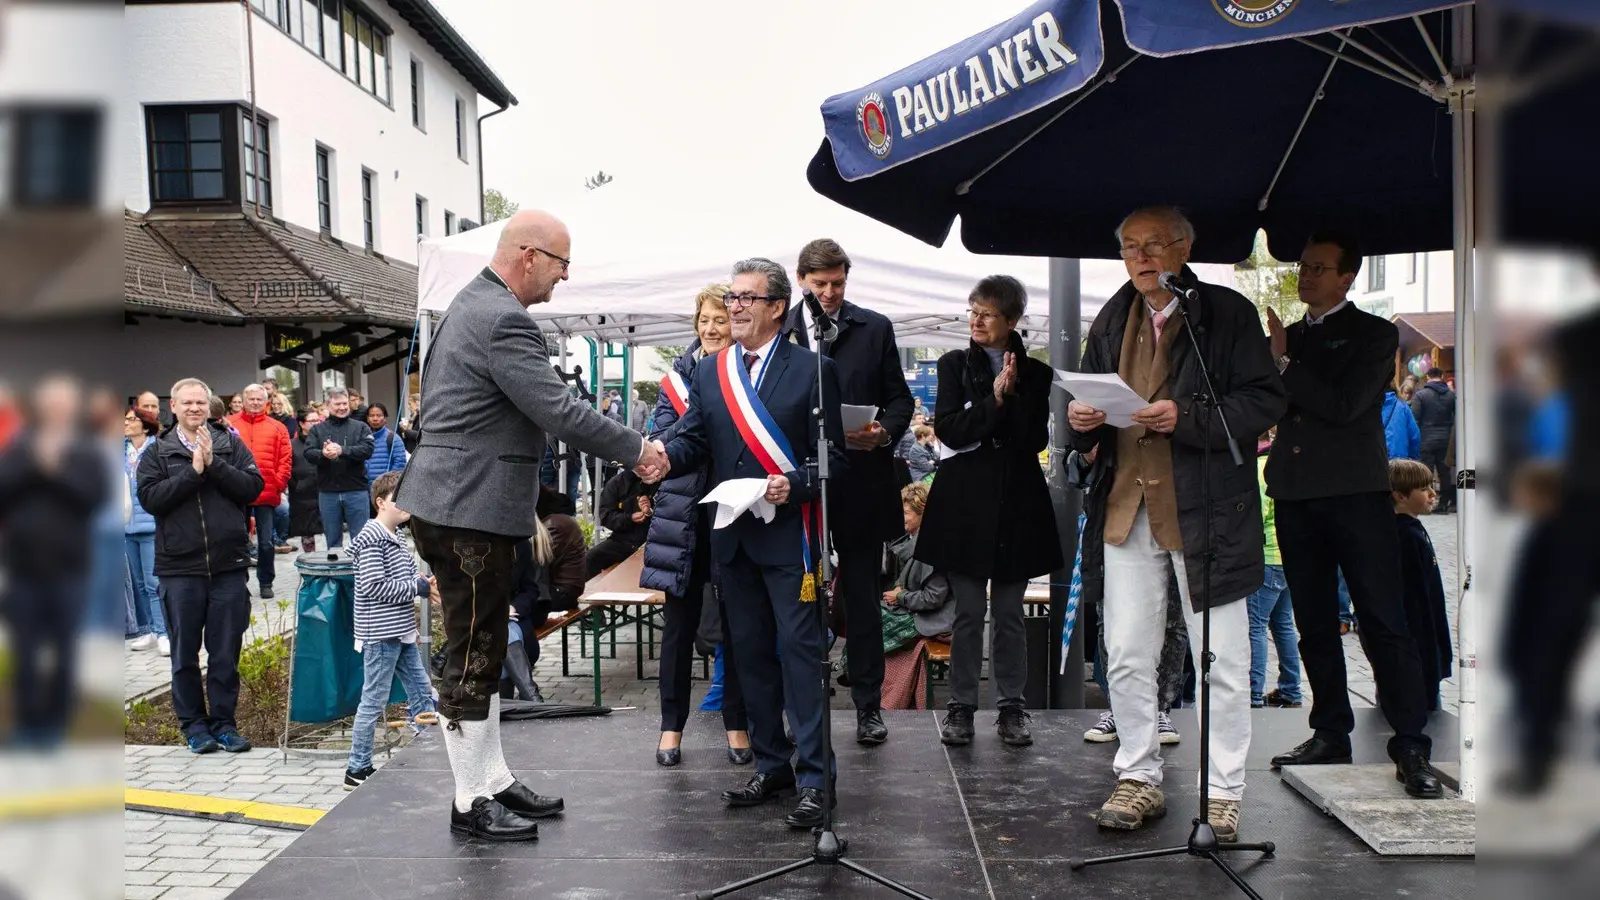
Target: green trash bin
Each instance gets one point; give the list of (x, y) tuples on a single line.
[(326, 674)]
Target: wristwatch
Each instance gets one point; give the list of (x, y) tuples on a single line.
[(1283, 363)]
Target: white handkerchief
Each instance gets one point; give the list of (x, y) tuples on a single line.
[(1107, 393), (946, 451), (737, 496)]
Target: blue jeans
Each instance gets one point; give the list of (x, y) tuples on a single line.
[(280, 521), (148, 615), (713, 700), (266, 552), (1271, 607), (1346, 615), (343, 509), (382, 661)]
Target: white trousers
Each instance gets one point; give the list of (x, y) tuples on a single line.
[(1135, 626)]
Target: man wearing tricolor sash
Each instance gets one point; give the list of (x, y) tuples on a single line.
[(751, 417)]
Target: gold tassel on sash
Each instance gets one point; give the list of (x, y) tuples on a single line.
[(808, 587)]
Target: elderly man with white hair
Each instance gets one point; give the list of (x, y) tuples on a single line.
[(1151, 515)]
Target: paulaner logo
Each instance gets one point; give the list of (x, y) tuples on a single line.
[(1254, 13), (874, 124)]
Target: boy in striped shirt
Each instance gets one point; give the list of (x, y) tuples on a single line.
[(387, 587)]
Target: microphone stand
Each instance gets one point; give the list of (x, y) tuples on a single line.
[(1203, 839), (829, 849)]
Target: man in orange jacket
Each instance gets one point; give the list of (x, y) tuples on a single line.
[(268, 440)]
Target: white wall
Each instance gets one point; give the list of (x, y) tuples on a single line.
[(1428, 289), (161, 351), (310, 102), (1538, 283)]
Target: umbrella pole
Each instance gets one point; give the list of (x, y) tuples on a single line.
[(1066, 330), (1469, 386)]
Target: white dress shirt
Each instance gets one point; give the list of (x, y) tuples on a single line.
[(1317, 320)]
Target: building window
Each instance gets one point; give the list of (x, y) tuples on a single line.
[(1411, 268), (324, 190), (422, 217), (310, 30), (257, 159), (416, 95), (368, 202), (51, 156), (186, 154), (330, 32), (278, 12), (449, 222), (1376, 274), (461, 129)]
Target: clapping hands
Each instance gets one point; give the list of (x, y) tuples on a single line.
[(653, 464), (1006, 382)]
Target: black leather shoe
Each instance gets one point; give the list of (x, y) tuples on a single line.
[(1013, 726), (957, 728), (1314, 752), (669, 758), (759, 789), (741, 756), (489, 821), (870, 730), (521, 799), (1413, 771), (808, 812)]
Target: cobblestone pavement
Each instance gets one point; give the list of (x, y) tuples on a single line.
[(174, 858)]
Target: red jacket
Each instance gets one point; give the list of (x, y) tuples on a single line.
[(268, 440)]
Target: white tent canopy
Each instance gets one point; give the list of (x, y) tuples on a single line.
[(640, 256)]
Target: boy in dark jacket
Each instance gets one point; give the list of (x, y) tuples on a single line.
[(198, 482), (340, 446), (1412, 488)]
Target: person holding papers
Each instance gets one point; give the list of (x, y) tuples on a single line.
[(1147, 515), (989, 524), (750, 416)]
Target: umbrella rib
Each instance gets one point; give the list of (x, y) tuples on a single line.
[(1433, 48), (1385, 61), (1283, 162), (1419, 85), (966, 186)]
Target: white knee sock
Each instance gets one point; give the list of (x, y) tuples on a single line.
[(475, 756)]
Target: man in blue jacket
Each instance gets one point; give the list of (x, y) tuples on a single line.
[(388, 448), (1400, 429)]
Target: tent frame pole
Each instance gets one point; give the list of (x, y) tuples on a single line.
[(1468, 384)]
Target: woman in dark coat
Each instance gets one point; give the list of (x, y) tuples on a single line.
[(677, 554), (305, 515), (989, 524)]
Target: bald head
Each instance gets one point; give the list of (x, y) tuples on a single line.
[(532, 255)]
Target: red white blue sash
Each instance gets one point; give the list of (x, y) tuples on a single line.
[(766, 443), (676, 390)]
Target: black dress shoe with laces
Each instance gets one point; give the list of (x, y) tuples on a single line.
[(1314, 752), (1413, 771), (521, 799), (808, 812), (489, 821), (870, 730), (759, 789)]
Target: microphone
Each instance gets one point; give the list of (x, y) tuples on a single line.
[(829, 329), (1170, 282)]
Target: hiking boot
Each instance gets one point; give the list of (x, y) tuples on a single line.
[(1164, 730), (956, 730), (1131, 805), (1276, 699), (1104, 730), (1223, 816), (1013, 726)]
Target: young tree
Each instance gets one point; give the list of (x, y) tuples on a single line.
[(1270, 284), (599, 179), (497, 207)]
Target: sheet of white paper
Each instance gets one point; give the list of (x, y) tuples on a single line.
[(946, 451), (1107, 393), (857, 417), (737, 496)]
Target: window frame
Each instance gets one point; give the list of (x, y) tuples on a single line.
[(324, 178), (422, 217), (461, 128), (450, 222), (369, 209), (364, 70), (262, 157), (230, 167), (1377, 274), (419, 102), (74, 162)]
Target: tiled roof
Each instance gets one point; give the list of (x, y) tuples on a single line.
[(57, 263), (153, 280), (1437, 328), (268, 269)]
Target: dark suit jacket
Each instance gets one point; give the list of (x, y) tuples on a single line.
[(1330, 442), (706, 433), (866, 502)]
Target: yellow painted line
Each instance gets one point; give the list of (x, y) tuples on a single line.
[(53, 804), (197, 805)]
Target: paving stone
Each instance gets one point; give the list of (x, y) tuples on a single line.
[(184, 849), (134, 863), (191, 879), (193, 893), (164, 864), (230, 840), (241, 853), (135, 876), (233, 881), (143, 892), (245, 867)]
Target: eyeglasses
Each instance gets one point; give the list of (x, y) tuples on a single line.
[(565, 263), (1148, 248), (984, 317), (1315, 270), (740, 301)]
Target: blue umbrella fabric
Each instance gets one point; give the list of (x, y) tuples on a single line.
[(1043, 132)]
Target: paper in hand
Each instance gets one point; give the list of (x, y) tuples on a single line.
[(857, 417), (737, 496), (1107, 393)]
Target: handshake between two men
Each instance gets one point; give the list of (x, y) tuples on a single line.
[(653, 466)]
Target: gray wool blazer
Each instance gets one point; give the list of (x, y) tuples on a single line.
[(489, 397)]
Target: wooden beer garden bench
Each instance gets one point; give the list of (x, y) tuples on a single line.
[(612, 601)]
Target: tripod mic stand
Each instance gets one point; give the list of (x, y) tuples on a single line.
[(1203, 839), (829, 849)]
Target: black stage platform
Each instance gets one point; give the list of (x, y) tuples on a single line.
[(980, 821)]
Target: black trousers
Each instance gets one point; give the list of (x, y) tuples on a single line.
[(1556, 581), (473, 569), (778, 646), (1433, 458), (1356, 534), (606, 554), (44, 615), (860, 593), (677, 648), (214, 611)]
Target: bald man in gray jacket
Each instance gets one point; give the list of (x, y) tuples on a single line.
[(490, 396)]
